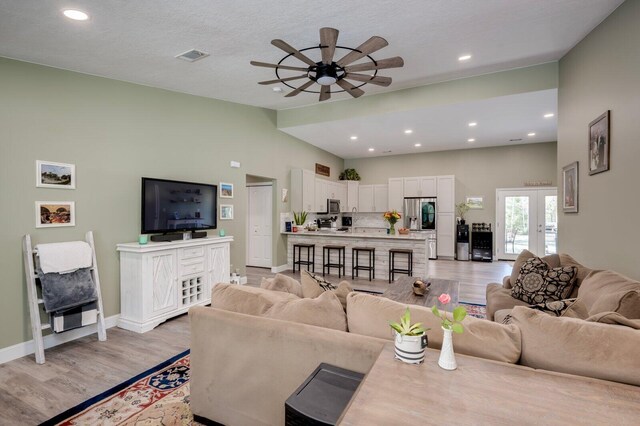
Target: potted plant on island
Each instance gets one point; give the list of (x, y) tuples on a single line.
[(447, 358), (462, 209), (299, 219), (410, 339), (392, 217)]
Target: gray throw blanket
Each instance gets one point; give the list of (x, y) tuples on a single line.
[(65, 291)]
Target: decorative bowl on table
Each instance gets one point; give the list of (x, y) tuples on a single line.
[(403, 231)]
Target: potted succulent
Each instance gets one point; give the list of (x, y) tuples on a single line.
[(349, 174), (299, 219), (410, 339), (447, 358), (462, 209)]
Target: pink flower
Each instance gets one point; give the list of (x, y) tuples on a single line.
[(444, 298)]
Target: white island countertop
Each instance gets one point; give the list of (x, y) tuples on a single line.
[(420, 236)]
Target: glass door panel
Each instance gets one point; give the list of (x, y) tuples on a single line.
[(516, 224), (548, 244)]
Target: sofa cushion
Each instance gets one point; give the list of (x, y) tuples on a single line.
[(570, 308), (608, 291), (314, 285), (583, 271), (502, 316), (323, 311), (553, 260), (282, 283), (370, 316), (245, 299), (575, 346), (538, 282), (615, 319), (499, 298)]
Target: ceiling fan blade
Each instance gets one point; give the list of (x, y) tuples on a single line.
[(284, 67), (282, 80), (325, 93), (377, 80), (374, 44), (395, 62), (328, 40), (281, 44), (350, 88), (299, 89)]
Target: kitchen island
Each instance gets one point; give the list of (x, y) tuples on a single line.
[(416, 241)]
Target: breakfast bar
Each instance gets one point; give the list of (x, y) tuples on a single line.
[(417, 242)]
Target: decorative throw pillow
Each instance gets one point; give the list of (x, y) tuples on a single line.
[(323, 311), (314, 285), (282, 283), (569, 308), (538, 283)]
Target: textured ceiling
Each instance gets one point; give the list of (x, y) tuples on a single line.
[(136, 41)]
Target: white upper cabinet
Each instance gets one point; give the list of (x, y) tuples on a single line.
[(381, 198), (420, 186), (428, 186), (322, 187), (412, 187), (352, 195), (396, 194), (342, 196), (446, 194), (365, 199), (303, 190)]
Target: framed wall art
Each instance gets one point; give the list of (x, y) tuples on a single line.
[(52, 214), (599, 144), (570, 188), (226, 190), (55, 175), (226, 211), (475, 202)]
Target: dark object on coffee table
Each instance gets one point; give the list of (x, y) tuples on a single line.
[(420, 288)]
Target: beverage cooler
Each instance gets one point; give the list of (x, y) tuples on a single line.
[(481, 242)]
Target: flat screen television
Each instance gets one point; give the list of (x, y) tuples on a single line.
[(174, 206)]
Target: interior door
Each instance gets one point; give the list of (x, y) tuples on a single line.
[(526, 220), (259, 233)]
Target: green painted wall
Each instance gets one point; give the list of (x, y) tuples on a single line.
[(602, 73), (114, 133), (478, 171)]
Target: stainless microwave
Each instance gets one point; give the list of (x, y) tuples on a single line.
[(333, 206)]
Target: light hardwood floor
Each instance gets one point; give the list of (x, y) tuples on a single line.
[(73, 372)]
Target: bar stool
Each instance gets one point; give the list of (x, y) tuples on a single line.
[(355, 261), (326, 260), (392, 263), (311, 249)]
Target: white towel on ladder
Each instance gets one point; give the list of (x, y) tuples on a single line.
[(66, 257)]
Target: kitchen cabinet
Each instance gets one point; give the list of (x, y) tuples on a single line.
[(446, 194), (373, 198), (445, 231), (321, 190), (396, 194), (352, 195), (303, 189), (342, 196), (381, 198), (420, 186)]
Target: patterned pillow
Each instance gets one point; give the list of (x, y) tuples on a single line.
[(570, 308), (539, 283)]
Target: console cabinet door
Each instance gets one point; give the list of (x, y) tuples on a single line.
[(219, 265), (164, 281)]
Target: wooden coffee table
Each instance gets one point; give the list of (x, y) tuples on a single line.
[(402, 291)]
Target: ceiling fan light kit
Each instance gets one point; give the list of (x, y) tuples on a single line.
[(328, 72)]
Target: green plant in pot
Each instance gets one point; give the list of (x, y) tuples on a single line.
[(462, 209), (300, 218), (410, 339), (349, 174)]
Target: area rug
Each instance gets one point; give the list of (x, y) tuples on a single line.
[(159, 396), (474, 310)]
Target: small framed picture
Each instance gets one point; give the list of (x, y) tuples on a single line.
[(55, 175), (226, 211), (570, 188), (226, 190), (475, 203), (52, 214), (599, 144)]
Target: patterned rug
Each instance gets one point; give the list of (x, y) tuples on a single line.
[(159, 396), (477, 311)]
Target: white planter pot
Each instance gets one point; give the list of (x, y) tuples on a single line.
[(447, 358), (410, 349)]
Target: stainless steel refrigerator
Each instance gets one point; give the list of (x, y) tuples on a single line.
[(420, 215)]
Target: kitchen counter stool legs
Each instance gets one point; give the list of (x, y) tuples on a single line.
[(311, 256), (355, 262), (326, 260), (392, 263)]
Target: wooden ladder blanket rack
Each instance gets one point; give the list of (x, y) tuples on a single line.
[(30, 262)]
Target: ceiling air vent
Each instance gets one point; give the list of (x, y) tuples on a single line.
[(192, 55)]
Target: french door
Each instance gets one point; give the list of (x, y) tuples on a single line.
[(527, 219)]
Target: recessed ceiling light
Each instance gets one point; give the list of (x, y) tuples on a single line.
[(354, 138), (277, 89), (471, 140), (549, 115), (464, 58), (371, 149), (408, 132), (473, 124), (76, 15), (531, 134), (418, 145)]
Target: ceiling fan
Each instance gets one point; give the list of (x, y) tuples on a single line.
[(327, 71)]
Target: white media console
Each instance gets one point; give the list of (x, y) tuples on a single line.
[(160, 280)]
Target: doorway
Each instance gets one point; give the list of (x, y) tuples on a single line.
[(527, 219), (259, 224)]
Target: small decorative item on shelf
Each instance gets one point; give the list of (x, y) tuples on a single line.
[(349, 174), (403, 231), (410, 339), (462, 209), (299, 218), (392, 217), (447, 358)]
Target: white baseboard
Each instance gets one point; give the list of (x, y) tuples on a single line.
[(27, 348), (281, 268)]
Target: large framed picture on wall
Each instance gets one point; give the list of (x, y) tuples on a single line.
[(599, 144)]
